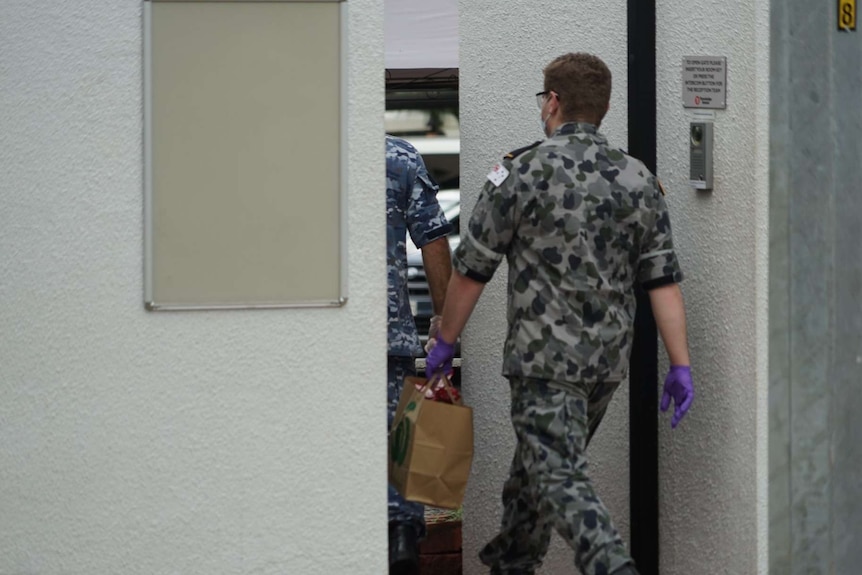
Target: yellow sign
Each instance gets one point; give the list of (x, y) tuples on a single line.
[(847, 15)]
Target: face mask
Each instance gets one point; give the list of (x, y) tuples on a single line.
[(543, 122)]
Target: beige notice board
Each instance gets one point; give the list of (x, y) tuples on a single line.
[(244, 153)]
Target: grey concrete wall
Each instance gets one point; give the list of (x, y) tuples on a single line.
[(815, 302)]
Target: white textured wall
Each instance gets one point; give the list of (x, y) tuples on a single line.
[(132, 442), (504, 47), (714, 466)]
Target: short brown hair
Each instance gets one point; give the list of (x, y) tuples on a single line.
[(583, 83)]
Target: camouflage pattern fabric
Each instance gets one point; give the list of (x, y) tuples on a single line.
[(411, 207), (401, 510), (579, 223), (548, 486)]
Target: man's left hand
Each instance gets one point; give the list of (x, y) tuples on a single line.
[(439, 358)]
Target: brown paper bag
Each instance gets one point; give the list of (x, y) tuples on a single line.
[(430, 447)]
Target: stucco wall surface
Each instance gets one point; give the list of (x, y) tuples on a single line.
[(211, 442), (504, 47), (714, 466)]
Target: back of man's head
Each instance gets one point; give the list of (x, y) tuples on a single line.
[(583, 83)]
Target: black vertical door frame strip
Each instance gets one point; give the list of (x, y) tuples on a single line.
[(643, 378)]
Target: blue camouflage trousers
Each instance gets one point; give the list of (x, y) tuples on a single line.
[(548, 486), (401, 510)]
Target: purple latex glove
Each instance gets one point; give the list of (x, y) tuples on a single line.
[(678, 385), (439, 358)]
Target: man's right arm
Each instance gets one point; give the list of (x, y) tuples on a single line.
[(437, 260), (659, 274), (669, 311)]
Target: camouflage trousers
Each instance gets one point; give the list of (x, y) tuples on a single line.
[(548, 486), (401, 510)]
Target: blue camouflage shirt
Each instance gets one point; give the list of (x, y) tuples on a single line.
[(411, 206)]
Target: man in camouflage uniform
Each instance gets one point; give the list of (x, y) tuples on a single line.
[(411, 206), (579, 223)]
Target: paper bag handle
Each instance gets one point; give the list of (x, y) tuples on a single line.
[(447, 385)]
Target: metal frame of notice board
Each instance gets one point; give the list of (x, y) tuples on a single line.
[(170, 272)]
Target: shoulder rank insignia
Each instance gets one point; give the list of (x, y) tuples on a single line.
[(660, 187), (515, 153)]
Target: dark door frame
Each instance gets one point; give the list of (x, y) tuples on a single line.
[(643, 374)]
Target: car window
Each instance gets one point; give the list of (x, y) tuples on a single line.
[(441, 155)]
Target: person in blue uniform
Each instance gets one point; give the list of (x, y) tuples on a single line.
[(411, 207)]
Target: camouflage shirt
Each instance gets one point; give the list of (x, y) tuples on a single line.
[(579, 223), (411, 206)]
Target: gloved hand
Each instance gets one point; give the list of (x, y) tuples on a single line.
[(678, 385), (439, 358), (432, 333)]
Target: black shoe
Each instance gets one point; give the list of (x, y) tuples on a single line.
[(403, 550)]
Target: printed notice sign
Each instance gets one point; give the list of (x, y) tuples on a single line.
[(704, 82)]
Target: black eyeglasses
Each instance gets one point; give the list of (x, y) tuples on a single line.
[(540, 97)]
